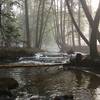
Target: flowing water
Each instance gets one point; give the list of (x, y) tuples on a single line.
[(46, 83)]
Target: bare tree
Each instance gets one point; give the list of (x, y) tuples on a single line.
[(75, 24), (41, 22), (94, 27), (60, 25)]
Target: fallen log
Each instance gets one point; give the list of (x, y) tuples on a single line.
[(7, 66)]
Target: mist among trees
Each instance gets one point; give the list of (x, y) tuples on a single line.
[(43, 24)]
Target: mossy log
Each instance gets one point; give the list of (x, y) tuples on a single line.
[(7, 66), (17, 52), (12, 54)]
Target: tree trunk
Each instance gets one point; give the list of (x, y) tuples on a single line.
[(73, 37), (93, 44), (37, 24), (93, 38), (41, 24), (90, 10), (0, 18), (27, 25), (79, 21)]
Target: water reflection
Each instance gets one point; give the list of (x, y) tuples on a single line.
[(51, 82), (97, 94)]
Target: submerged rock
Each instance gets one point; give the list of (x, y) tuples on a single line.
[(8, 83), (6, 94), (65, 97)]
